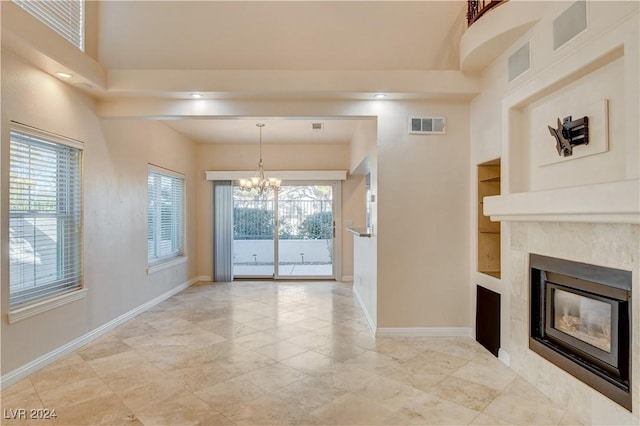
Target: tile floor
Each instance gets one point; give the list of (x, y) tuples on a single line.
[(252, 353)]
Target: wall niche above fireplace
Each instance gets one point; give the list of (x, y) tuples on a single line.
[(580, 320)]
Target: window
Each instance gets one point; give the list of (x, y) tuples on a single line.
[(45, 204), (66, 17), (165, 215)]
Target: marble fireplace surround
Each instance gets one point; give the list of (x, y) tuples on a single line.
[(609, 237)]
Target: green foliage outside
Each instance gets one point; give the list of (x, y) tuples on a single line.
[(252, 224), (317, 226)]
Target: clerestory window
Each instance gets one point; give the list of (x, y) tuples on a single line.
[(66, 17)]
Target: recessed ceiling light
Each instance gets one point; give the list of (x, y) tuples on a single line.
[(64, 74), (380, 95), (195, 95)]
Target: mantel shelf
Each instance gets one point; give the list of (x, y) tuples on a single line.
[(613, 202)]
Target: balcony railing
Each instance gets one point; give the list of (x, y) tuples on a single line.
[(477, 8)]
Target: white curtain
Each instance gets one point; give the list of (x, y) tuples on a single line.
[(222, 231)]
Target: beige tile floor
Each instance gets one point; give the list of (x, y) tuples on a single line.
[(251, 353)]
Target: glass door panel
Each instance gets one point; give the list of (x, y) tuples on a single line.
[(253, 235), (306, 231)]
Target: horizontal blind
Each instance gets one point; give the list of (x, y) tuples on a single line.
[(165, 216), (66, 17), (44, 218)]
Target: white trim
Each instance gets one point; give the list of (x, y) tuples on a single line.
[(14, 126), (24, 312), (46, 359), (611, 202), (367, 315), (280, 174), (336, 250), (159, 266), (347, 278), (424, 332), (164, 171), (504, 357)]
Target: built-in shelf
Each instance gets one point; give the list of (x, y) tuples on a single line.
[(611, 202), (488, 230), (495, 274)]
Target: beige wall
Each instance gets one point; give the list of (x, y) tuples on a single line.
[(276, 157), (423, 222), (116, 154)]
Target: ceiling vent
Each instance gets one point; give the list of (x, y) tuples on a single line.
[(316, 127), (427, 125)]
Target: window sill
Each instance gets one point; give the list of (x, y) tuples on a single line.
[(157, 267), (36, 308)]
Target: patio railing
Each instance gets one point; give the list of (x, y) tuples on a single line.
[(299, 219)]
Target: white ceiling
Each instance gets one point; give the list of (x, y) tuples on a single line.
[(280, 131), (153, 44), (281, 35)]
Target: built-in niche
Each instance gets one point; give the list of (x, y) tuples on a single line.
[(488, 231), (595, 91)]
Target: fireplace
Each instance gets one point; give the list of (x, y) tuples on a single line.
[(581, 321)]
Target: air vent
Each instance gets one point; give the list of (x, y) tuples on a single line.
[(316, 127), (427, 125)]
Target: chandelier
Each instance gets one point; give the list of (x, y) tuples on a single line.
[(258, 181)]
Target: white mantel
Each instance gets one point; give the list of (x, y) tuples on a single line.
[(613, 202)]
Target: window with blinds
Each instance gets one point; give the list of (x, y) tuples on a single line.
[(165, 215), (45, 221), (66, 17)]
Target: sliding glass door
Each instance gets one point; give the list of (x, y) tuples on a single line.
[(306, 231), (288, 236)]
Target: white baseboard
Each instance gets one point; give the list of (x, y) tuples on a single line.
[(504, 357), (424, 332), (203, 278), (367, 315), (48, 358), (347, 278)]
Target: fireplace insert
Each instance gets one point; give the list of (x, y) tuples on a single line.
[(581, 321)]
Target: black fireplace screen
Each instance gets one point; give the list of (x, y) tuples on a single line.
[(580, 321)]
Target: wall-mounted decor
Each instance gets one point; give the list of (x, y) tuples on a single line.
[(570, 139), (569, 134)]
